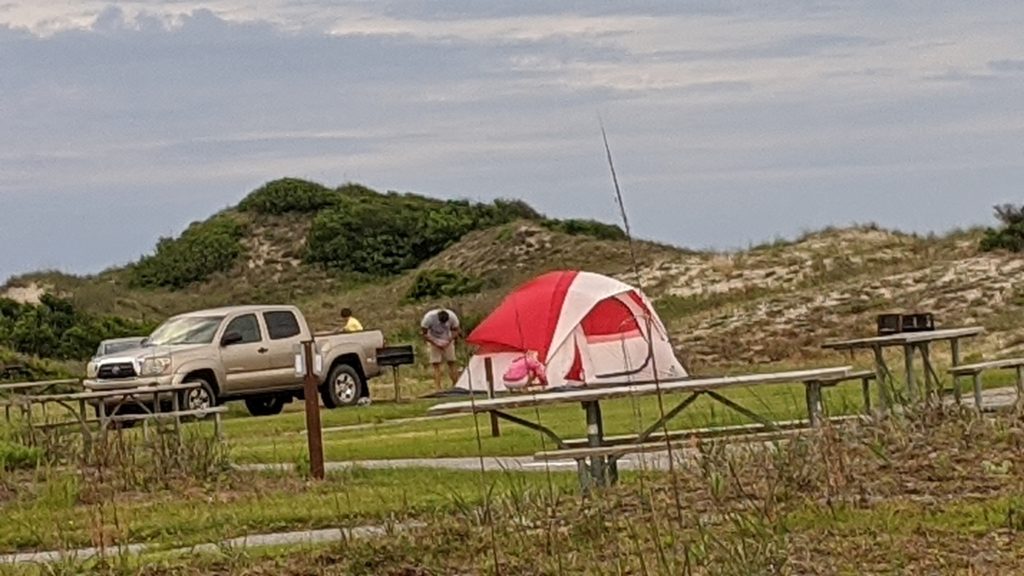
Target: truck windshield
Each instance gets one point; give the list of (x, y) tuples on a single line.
[(185, 330)]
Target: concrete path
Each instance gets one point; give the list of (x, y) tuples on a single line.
[(654, 461), (240, 543)]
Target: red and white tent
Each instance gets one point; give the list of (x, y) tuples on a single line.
[(585, 328)]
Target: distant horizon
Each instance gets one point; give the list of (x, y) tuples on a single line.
[(731, 123)]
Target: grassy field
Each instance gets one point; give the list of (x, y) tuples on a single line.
[(883, 494), (931, 494)]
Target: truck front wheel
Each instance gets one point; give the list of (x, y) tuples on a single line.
[(343, 387), (201, 398)]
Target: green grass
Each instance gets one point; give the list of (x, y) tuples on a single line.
[(282, 438), (63, 513)]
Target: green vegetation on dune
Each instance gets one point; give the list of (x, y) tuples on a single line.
[(55, 328), (1010, 234), (385, 234), (434, 284), (202, 250)]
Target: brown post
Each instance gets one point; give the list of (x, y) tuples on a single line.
[(313, 430), (489, 372), (398, 389)]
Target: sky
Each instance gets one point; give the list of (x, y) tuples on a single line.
[(731, 122)]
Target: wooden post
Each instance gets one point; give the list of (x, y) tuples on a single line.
[(314, 434), (398, 389), (489, 373)]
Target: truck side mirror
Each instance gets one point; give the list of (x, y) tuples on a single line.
[(230, 338)]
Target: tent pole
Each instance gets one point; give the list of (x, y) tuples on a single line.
[(489, 372)]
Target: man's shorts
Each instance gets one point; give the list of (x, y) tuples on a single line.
[(439, 355)]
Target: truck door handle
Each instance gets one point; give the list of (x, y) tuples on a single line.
[(262, 350)]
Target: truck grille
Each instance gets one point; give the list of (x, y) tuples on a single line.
[(116, 371)]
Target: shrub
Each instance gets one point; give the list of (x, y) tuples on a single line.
[(54, 328), (384, 234), (288, 195), (202, 250), (18, 457), (592, 228), (1010, 236), (430, 284)]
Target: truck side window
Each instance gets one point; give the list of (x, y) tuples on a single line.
[(281, 324), (247, 326)]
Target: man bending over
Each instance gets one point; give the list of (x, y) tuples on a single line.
[(441, 329)]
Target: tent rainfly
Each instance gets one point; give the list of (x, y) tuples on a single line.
[(585, 328)]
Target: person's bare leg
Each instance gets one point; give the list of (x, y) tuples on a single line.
[(437, 375), (453, 372)]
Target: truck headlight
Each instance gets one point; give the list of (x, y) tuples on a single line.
[(90, 370), (155, 366)]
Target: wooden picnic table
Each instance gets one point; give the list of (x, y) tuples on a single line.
[(109, 405), (602, 469), (17, 389), (911, 343)]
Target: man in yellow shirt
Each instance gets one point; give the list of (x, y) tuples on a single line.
[(350, 323)]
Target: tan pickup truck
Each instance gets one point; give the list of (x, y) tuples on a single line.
[(242, 353)]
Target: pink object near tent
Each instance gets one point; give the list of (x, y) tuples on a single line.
[(583, 327), (524, 371)]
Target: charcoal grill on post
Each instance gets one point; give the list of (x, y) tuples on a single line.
[(395, 356), (899, 323)]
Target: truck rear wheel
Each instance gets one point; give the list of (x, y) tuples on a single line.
[(265, 405), (343, 387)]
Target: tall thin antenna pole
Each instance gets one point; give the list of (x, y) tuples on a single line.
[(650, 330), (622, 207)]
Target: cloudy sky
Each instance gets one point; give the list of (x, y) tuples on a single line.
[(730, 121)]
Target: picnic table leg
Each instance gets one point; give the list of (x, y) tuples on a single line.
[(976, 380), (812, 392), (865, 386), (176, 407), (86, 436), (595, 439), (954, 350), (881, 372), (584, 475), (104, 420), (30, 421), (908, 361), (931, 384), (1020, 385)]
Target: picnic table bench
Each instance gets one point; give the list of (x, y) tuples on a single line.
[(975, 370), (603, 452)]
